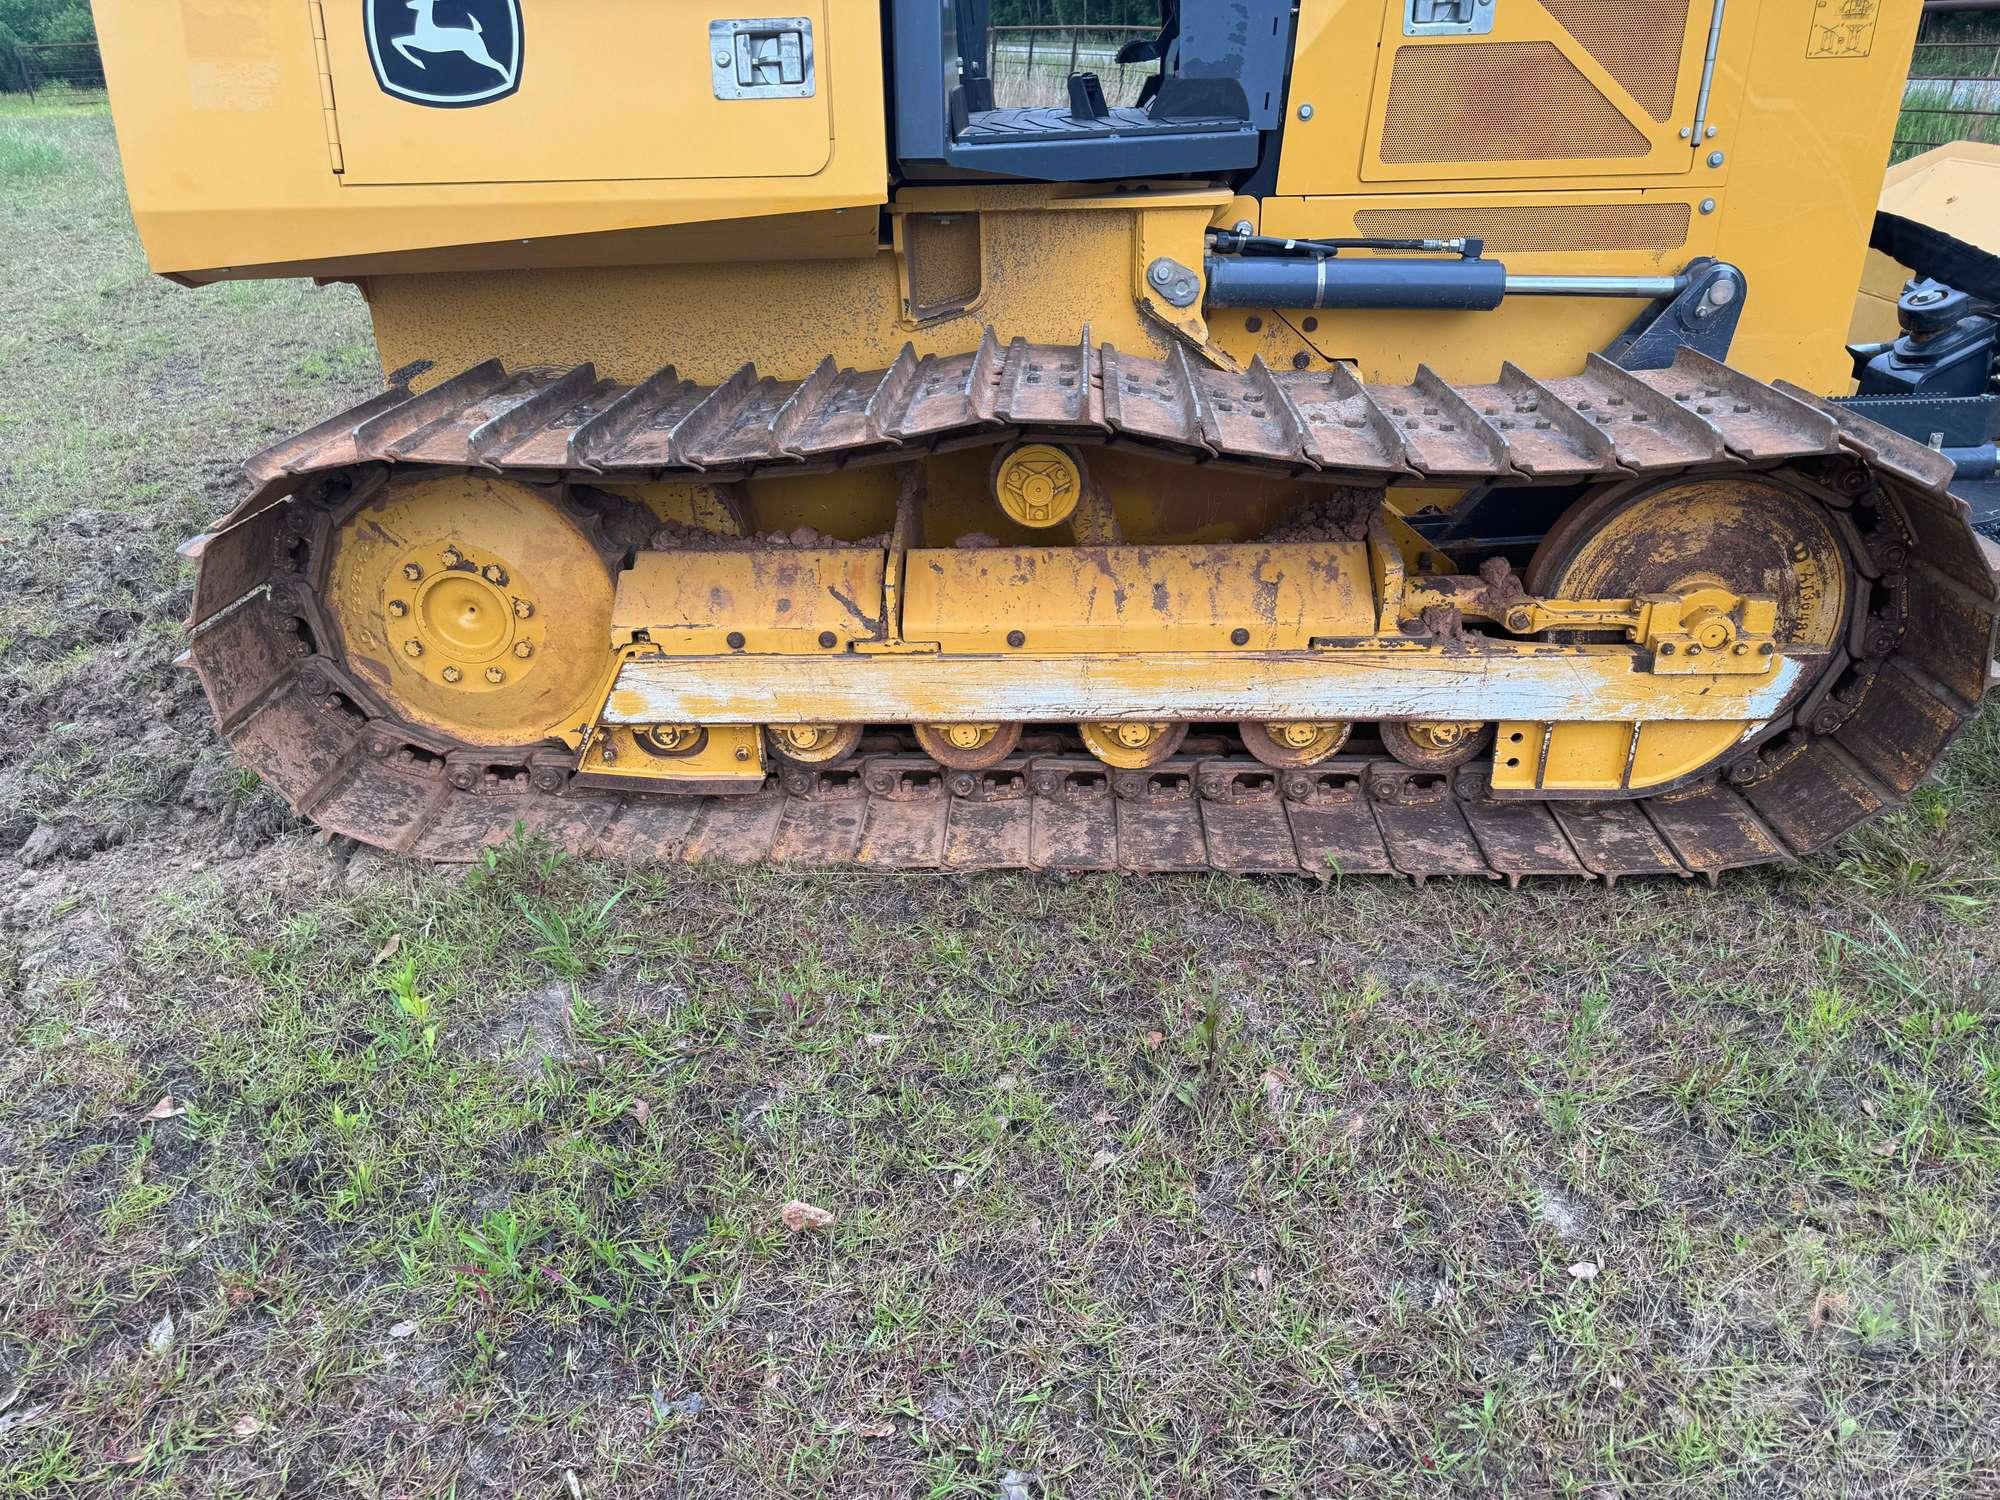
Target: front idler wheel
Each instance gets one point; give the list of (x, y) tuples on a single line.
[(479, 608)]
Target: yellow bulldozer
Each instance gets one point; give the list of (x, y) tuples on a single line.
[(1328, 436)]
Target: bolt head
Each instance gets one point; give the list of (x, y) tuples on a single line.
[(1161, 273), (1305, 111), (524, 649), (412, 572), (495, 675), (451, 674), (1715, 158), (397, 609), (494, 573), (523, 610), (413, 648), (1243, 226), (451, 557), (742, 752), (1708, 205)]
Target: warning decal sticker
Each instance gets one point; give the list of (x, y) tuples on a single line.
[(1842, 28)]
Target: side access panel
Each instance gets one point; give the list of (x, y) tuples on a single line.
[(273, 137), (604, 90)]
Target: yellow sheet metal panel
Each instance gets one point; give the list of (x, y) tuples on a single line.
[(766, 599), (1538, 96), (632, 756), (1667, 752), (1595, 757), (1558, 93), (1256, 598), (1804, 156), (1517, 755), (1586, 757), (608, 89), (1800, 111), (708, 319), (219, 106)]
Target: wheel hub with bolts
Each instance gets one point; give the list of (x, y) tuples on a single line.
[(440, 589), (458, 618)]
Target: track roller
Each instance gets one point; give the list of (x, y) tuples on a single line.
[(1288, 745), (1132, 746), (968, 747), (813, 744), (1435, 744)]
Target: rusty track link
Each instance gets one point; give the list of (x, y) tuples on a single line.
[(1917, 660)]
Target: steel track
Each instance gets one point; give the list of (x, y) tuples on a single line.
[(1917, 659)]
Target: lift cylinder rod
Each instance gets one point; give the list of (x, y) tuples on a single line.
[(1476, 285)]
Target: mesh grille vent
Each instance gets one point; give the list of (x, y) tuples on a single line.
[(1582, 226), (1638, 41), (1499, 101)]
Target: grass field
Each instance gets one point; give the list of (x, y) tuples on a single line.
[(1954, 88), (324, 1174)]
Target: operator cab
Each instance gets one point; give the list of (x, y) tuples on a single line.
[(1219, 89)]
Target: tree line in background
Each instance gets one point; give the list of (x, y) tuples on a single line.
[(30, 22), (1074, 13)]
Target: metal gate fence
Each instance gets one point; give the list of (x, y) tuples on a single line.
[(1954, 88), (74, 64), (1031, 65)]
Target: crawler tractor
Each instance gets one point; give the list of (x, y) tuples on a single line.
[(1333, 436)]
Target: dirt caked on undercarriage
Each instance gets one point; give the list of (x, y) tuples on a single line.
[(1758, 620)]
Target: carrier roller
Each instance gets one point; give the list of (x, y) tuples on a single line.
[(1761, 621)]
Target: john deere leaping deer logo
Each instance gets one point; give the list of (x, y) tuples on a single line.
[(445, 53)]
